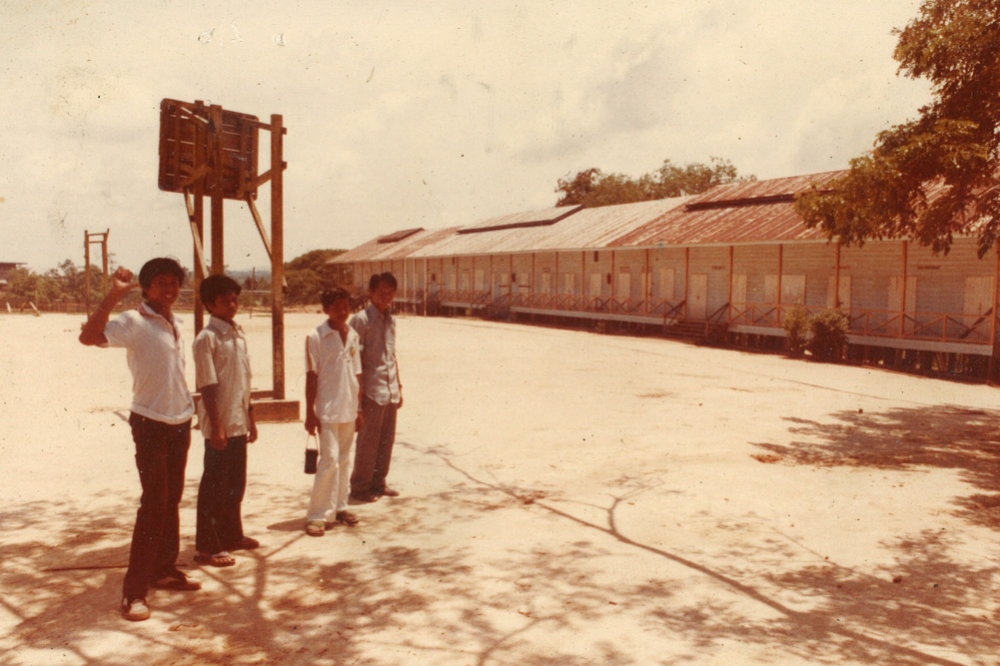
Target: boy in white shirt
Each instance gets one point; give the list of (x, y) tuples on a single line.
[(161, 422), (333, 392), (225, 416)]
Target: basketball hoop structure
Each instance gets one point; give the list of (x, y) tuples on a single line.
[(206, 151)]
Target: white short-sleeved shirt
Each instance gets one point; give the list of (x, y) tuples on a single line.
[(337, 366), (156, 359), (221, 358)]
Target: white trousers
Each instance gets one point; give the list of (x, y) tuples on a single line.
[(332, 485)]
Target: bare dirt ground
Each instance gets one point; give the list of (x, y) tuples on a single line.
[(567, 498)]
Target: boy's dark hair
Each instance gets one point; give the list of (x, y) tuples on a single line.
[(217, 285), (330, 295), (379, 278), (159, 266)]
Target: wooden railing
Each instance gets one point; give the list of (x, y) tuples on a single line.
[(973, 329), (880, 323)]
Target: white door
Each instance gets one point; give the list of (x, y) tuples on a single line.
[(665, 283), (698, 296)]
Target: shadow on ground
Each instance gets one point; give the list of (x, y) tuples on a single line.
[(942, 437), (527, 602)]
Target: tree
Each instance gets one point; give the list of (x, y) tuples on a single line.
[(932, 178), (309, 274), (593, 188)]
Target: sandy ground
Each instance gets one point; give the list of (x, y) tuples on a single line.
[(567, 498)]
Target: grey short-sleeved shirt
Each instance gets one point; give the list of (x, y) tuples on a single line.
[(377, 332)]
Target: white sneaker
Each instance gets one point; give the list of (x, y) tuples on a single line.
[(135, 610)]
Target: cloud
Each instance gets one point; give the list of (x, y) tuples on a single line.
[(423, 115)]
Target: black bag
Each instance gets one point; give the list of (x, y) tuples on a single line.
[(312, 455)]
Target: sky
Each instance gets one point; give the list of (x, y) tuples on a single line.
[(430, 114)]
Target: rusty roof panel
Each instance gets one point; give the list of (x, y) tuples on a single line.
[(761, 211), (755, 212)]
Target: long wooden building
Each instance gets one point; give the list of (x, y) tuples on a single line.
[(731, 262)]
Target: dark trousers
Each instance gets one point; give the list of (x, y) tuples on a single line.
[(374, 448), (223, 484), (161, 451)]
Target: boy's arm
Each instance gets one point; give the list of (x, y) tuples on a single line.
[(311, 421), (399, 382), (210, 396), (93, 330), (360, 421), (253, 426)]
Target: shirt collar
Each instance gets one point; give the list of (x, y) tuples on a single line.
[(147, 311), (325, 329), (220, 325), (375, 312)]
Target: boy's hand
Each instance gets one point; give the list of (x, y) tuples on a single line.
[(312, 423), (358, 422), (123, 281), (253, 431), (218, 441)]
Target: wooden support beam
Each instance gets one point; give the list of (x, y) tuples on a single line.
[(991, 370), (836, 280), (687, 279), (277, 258), (781, 272), (218, 235), (902, 290), (260, 224), (195, 217)]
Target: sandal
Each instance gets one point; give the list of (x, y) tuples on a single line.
[(247, 543), (347, 518), (223, 559), (177, 581), (315, 528)]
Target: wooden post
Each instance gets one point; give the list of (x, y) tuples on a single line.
[(781, 271), (277, 257), (199, 271), (218, 244), (86, 269), (993, 327), (557, 289), (614, 281), (104, 262), (902, 290), (687, 279), (729, 298), (646, 279), (836, 280)]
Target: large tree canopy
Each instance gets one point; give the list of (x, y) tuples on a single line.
[(593, 188), (935, 177)]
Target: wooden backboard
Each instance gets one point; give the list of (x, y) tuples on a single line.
[(208, 143)]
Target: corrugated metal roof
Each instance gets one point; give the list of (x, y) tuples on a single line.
[(374, 250), (761, 211), (588, 228)]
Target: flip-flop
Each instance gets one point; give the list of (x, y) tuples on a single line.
[(223, 559)]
